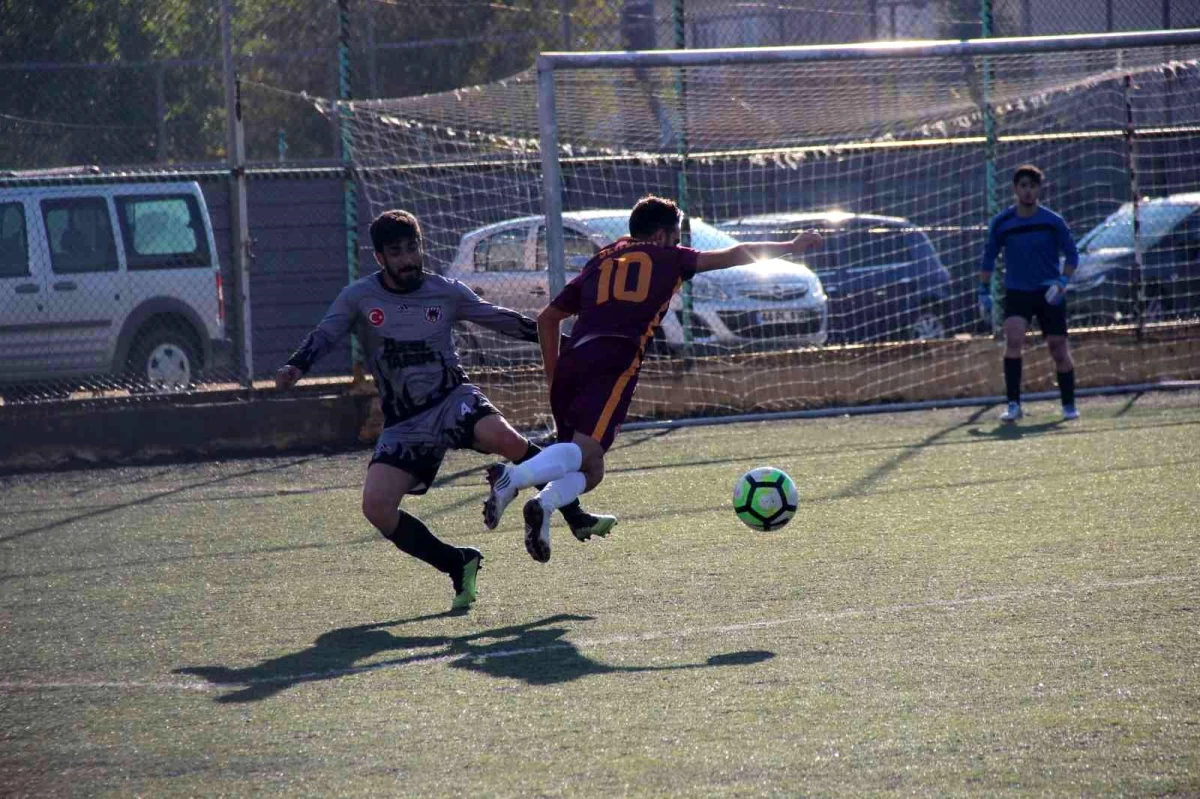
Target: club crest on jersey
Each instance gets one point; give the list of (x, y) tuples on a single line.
[(375, 317), (433, 313)]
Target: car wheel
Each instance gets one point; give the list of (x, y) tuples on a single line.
[(928, 325), (163, 360)]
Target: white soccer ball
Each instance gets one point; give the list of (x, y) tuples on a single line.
[(765, 498)]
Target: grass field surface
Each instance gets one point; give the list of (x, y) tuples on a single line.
[(958, 608)]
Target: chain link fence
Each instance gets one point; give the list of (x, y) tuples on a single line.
[(120, 265)]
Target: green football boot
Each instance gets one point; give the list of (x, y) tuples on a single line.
[(464, 581), (585, 525)]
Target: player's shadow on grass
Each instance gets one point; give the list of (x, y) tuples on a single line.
[(1012, 432), (881, 471), (1128, 406), (535, 653)]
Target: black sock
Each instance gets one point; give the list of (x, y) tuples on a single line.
[(572, 511), (1066, 387), (412, 537), (1012, 378), (534, 449)]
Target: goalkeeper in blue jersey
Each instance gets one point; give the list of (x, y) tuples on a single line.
[(404, 317), (1032, 238)]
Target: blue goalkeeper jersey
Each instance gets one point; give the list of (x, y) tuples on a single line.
[(1031, 248)]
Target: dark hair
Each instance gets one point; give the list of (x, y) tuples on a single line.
[(1028, 171), (652, 214), (394, 226)]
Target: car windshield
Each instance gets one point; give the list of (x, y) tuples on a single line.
[(1155, 221), (704, 235)]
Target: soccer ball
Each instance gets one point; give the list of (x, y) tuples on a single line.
[(765, 498)]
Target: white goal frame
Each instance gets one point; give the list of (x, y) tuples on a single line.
[(548, 64)]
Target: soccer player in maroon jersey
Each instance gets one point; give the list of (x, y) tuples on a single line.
[(619, 298)]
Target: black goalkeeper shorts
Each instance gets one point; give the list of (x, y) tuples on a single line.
[(1027, 304)]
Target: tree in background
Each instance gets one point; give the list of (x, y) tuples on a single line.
[(128, 82)]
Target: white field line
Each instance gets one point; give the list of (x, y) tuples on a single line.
[(413, 657)]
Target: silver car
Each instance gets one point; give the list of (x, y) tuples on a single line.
[(771, 302), (108, 284)]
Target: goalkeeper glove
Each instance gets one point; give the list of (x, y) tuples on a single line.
[(1058, 290), (985, 299)]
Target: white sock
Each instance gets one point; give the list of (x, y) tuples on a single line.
[(562, 491), (549, 464)]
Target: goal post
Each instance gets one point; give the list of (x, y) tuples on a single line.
[(551, 63), (881, 147)]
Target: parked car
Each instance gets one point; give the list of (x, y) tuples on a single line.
[(776, 301), (882, 275), (116, 282), (1102, 290)]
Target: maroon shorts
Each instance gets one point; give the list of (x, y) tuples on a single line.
[(593, 385)]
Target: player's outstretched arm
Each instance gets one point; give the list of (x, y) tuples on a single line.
[(287, 375), (549, 324), (756, 251), (333, 328), (502, 320)]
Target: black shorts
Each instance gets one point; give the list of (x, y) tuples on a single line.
[(419, 444), (1027, 304)]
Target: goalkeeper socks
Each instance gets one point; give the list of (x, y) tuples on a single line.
[(549, 464), (563, 490), (412, 537), (1012, 379), (1066, 387), (572, 511)]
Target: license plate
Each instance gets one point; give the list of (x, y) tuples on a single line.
[(781, 317)]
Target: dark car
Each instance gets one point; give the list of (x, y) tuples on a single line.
[(882, 275), (1103, 291)]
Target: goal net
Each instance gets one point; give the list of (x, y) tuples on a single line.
[(899, 155)]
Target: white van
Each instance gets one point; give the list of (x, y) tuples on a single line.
[(109, 285)]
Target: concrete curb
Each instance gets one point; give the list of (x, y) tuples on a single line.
[(342, 415), (44, 438)]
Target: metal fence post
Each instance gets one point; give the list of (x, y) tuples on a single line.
[(160, 113), (1136, 285), (552, 202), (238, 210), (989, 147), (681, 179), (567, 35), (349, 187)]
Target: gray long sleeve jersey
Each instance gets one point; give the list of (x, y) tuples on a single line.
[(407, 337)]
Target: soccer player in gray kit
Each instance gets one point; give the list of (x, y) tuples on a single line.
[(404, 317)]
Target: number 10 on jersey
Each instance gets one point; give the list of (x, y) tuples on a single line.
[(614, 279)]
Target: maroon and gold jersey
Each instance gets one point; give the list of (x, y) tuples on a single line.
[(625, 289)]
